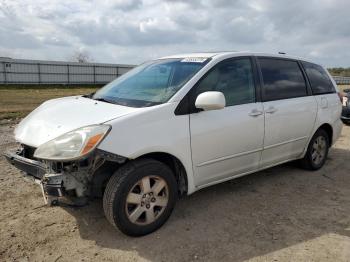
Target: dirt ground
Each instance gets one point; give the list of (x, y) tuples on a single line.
[(281, 214)]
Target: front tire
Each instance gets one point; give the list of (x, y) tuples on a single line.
[(317, 151), (140, 197)]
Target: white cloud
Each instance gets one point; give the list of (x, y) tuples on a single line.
[(133, 31)]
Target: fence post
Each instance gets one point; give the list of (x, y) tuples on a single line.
[(68, 73), (5, 75), (94, 68), (39, 73)]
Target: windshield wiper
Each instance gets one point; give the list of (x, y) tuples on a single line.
[(88, 95), (104, 100)]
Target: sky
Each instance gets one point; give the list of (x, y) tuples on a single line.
[(131, 32)]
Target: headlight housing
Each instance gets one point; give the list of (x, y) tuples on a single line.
[(72, 145)]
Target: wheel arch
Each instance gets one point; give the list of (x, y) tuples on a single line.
[(307, 161), (329, 129), (325, 126), (175, 165), (183, 176)]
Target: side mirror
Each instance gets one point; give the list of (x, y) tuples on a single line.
[(211, 100)]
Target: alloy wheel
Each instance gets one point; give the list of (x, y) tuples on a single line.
[(147, 200), (319, 150)]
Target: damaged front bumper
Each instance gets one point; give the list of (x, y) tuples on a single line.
[(36, 171), (31, 167), (72, 181)]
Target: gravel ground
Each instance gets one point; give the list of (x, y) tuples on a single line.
[(281, 214)]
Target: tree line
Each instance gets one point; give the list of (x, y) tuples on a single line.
[(339, 71)]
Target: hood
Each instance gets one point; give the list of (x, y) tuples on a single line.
[(58, 116)]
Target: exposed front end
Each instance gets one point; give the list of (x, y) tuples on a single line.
[(67, 166), (72, 182)]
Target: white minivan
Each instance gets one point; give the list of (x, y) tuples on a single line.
[(174, 125)]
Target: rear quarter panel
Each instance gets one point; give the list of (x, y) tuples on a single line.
[(329, 112)]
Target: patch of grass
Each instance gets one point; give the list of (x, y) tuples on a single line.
[(17, 103)]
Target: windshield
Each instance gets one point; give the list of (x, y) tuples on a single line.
[(151, 83)]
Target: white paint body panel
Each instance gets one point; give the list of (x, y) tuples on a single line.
[(154, 129), (288, 127), (58, 116), (226, 142), (329, 111), (213, 146)]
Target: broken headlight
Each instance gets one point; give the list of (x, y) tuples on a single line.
[(72, 145)]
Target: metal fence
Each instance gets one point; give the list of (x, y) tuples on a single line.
[(18, 71), (342, 80)]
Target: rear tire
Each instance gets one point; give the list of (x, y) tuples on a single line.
[(140, 197), (317, 151)]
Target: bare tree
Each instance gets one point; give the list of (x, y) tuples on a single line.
[(81, 57)]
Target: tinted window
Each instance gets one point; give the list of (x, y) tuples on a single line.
[(282, 79), (234, 78), (319, 80)]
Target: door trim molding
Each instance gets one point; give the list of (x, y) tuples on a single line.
[(249, 152), (285, 142), (243, 174), (228, 157)]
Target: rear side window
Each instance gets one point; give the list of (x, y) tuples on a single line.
[(319, 79), (282, 79)]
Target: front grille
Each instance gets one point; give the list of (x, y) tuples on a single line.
[(28, 151)]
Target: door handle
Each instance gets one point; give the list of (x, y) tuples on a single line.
[(255, 112), (270, 110)]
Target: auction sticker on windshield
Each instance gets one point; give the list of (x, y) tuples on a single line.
[(194, 60)]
